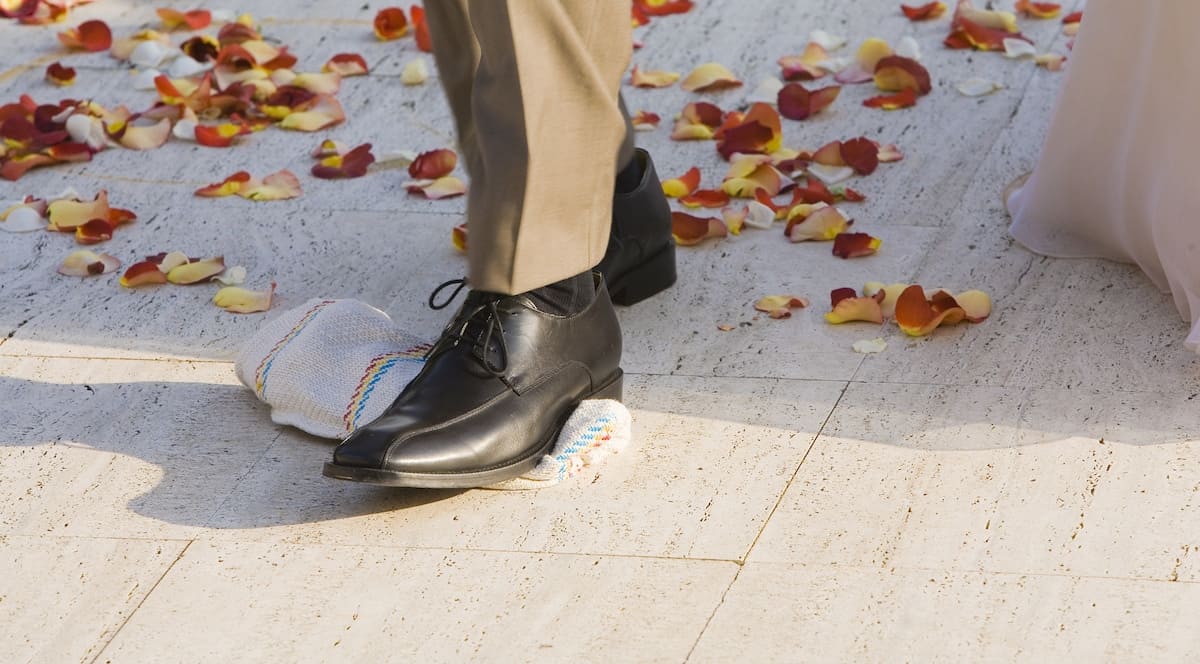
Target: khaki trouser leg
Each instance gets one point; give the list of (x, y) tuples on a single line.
[(544, 119)]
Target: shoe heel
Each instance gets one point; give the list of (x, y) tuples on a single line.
[(613, 390), (654, 276)]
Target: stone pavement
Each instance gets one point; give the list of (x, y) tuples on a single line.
[(1025, 489)]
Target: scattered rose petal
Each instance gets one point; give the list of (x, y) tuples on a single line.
[(238, 300), (439, 188), (767, 91), (458, 237), (194, 272), (352, 164), (421, 29), (196, 19), (798, 103), (918, 316), (870, 346), (855, 245), (726, 328), (143, 273), (234, 276), (346, 64), (697, 121), (823, 224), (1019, 48), (655, 78), (66, 215), (812, 64), (831, 174), (825, 40), (924, 12), (865, 61), (1038, 9), (92, 36), (433, 164), (759, 131), (275, 187), (390, 23), (59, 75), (707, 198), (22, 219), (84, 263), (847, 307), (909, 48), (645, 121), (978, 87), (682, 185), (896, 73), (94, 231), (709, 77), (902, 99), (1050, 61), (415, 72), (324, 111), (780, 306), (690, 230), (227, 187)]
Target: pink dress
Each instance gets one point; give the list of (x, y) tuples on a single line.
[(1119, 175)]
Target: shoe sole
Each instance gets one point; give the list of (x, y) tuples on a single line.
[(473, 479), (650, 278)]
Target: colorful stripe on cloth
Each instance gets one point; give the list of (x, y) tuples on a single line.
[(375, 371), (264, 367)]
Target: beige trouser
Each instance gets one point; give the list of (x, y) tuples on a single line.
[(533, 85)]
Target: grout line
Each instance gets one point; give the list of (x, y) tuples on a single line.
[(143, 601), (708, 621)]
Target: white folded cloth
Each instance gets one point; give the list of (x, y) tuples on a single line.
[(330, 366)]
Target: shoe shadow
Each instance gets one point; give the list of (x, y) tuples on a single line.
[(190, 454)]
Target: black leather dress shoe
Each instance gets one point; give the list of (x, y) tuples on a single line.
[(640, 260), (494, 393)]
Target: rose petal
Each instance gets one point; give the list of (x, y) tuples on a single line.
[(142, 274), (780, 306), (855, 245), (346, 64), (895, 73), (831, 174), (682, 185), (22, 219), (195, 272), (433, 164), (846, 307), (690, 230), (975, 304), (219, 136), (443, 187), (708, 77), (325, 111), (645, 121), (275, 187), (390, 23), (59, 75), (353, 164), (143, 137), (1041, 10), (227, 187), (458, 236), (421, 29), (758, 132), (196, 19), (870, 346), (241, 301), (94, 231), (92, 36), (918, 316), (977, 87), (84, 263), (656, 78), (232, 277), (924, 12), (902, 99), (823, 224), (415, 72), (707, 198), (67, 215)]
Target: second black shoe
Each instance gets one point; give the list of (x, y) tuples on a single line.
[(494, 393), (640, 260)]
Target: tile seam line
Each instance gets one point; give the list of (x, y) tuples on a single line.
[(117, 631), (778, 501)]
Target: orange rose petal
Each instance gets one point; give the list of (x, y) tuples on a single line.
[(846, 307), (918, 316), (1038, 9), (458, 236), (903, 99), (84, 263), (390, 23), (142, 274), (238, 300), (829, 154), (421, 29), (690, 230), (194, 272), (18, 8), (780, 306), (924, 12), (59, 75), (683, 185), (823, 224), (227, 187), (195, 19), (662, 7), (275, 187), (346, 64), (706, 198), (94, 231), (433, 164), (219, 136), (810, 65), (645, 121), (92, 36), (758, 132), (118, 216), (15, 167), (653, 79), (855, 245), (895, 73), (709, 77)]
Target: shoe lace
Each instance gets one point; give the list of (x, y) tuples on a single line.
[(486, 314)]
